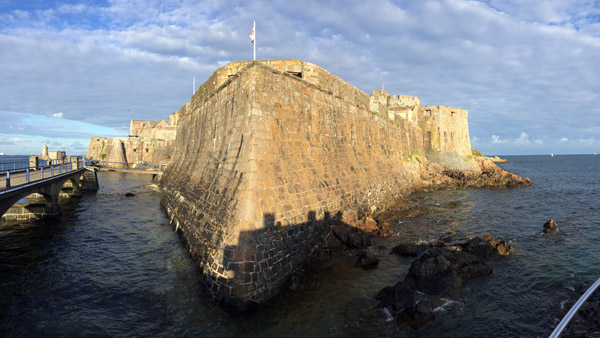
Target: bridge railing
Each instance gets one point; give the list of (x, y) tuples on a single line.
[(15, 177), (13, 166), (125, 165)]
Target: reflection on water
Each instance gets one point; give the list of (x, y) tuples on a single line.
[(112, 266)]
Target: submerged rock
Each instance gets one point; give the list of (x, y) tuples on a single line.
[(367, 260), (550, 226), (410, 249), (129, 194)]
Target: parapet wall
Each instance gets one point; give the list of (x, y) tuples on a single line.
[(264, 161)]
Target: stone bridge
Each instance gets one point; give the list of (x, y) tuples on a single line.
[(49, 187)]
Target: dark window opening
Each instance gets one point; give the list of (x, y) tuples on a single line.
[(428, 112), (146, 150), (298, 74), (451, 114), (134, 150)]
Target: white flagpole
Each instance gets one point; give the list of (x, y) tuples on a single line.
[(194, 86), (254, 33)]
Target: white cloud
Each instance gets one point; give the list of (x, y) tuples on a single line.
[(588, 141), (126, 60), (58, 115), (496, 140), (11, 140), (563, 140), (522, 139)]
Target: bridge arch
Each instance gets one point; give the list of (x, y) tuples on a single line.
[(49, 189)]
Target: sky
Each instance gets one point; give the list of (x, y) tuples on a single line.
[(527, 71)]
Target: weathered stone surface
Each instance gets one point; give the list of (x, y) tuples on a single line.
[(271, 155)]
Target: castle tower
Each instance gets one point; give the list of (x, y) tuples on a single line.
[(45, 150)]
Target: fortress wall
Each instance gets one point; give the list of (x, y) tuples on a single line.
[(262, 165), (404, 100), (308, 71), (207, 177), (95, 148), (445, 129)]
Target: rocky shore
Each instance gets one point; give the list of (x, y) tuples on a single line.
[(486, 174), (440, 268)]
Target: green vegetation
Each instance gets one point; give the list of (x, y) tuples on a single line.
[(102, 154), (476, 152), (414, 156), (200, 93)]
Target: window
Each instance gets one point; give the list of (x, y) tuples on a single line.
[(428, 112), (298, 74), (451, 114)]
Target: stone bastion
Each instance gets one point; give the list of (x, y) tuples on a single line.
[(268, 153)]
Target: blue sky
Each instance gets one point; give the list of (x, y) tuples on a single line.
[(527, 71)]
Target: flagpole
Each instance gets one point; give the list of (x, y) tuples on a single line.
[(254, 44)]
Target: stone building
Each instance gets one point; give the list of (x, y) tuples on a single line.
[(268, 153), (148, 142)]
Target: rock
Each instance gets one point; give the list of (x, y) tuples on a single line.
[(129, 194), (367, 260), (409, 249), (398, 297), (383, 229), (421, 312), (351, 237), (413, 211), (442, 268), (487, 175), (550, 226), (454, 173), (370, 225), (484, 247), (454, 204)]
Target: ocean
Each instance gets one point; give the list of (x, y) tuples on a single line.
[(112, 266), (9, 162)]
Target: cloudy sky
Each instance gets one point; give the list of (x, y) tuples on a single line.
[(528, 71)]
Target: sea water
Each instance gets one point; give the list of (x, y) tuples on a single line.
[(112, 266)]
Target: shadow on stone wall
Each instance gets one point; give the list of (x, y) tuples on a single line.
[(266, 260)]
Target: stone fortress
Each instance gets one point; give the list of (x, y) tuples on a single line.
[(269, 154), (148, 142)]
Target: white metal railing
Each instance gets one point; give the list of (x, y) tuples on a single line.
[(563, 323)]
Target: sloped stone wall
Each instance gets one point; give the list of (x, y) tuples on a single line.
[(264, 162)]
